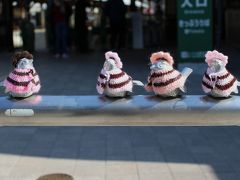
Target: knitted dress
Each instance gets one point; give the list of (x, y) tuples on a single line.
[(114, 83), (222, 84), (165, 82), (22, 83)]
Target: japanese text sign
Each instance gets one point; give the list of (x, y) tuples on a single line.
[(194, 29)]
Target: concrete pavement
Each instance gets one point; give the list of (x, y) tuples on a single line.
[(120, 153)]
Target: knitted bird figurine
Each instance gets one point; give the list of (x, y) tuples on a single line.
[(23, 81), (112, 81), (164, 80), (218, 81)]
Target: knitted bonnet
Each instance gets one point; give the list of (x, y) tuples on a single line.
[(115, 57), (212, 55), (19, 56), (162, 56)]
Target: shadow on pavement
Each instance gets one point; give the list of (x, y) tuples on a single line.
[(204, 150)]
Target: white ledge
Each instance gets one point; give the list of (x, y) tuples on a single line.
[(135, 110)]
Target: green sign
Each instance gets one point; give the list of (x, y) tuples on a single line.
[(194, 29)]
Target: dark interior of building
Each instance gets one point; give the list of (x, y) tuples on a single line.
[(159, 22)]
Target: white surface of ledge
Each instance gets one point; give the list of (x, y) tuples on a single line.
[(135, 110), (193, 102)]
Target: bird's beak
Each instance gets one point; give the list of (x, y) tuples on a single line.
[(152, 66)]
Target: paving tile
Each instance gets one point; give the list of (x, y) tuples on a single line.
[(5, 169), (152, 168), (42, 136), (3, 177), (194, 141), (66, 152), (8, 159), (92, 154), (69, 131), (96, 170), (222, 176), (164, 131), (122, 177), (201, 149), (156, 176), (235, 165), (35, 144), (189, 176), (209, 158), (119, 143), (19, 178), (144, 142), (184, 167), (119, 151), (26, 172), (179, 156), (116, 159), (12, 138), (118, 131), (14, 144), (187, 130), (79, 177), (40, 152), (61, 143), (217, 168), (16, 130), (149, 154), (30, 160), (92, 144), (121, 169), (87, 162), (60, 166), (90, 151)]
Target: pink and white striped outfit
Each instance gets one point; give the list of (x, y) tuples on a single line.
[(117, 81), (114, 82), (22, 82), (164, 81), (222, 83)]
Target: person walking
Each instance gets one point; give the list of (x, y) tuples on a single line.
[(116, 11), (60, 24)]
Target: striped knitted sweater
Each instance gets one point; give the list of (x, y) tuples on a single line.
[(22, 82), (163, 82), (114, 82), (221, 84)]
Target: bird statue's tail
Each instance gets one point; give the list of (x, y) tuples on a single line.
[(137, 83), (186, 72)]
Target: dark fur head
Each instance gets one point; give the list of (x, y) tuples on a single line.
[(20, 55)]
